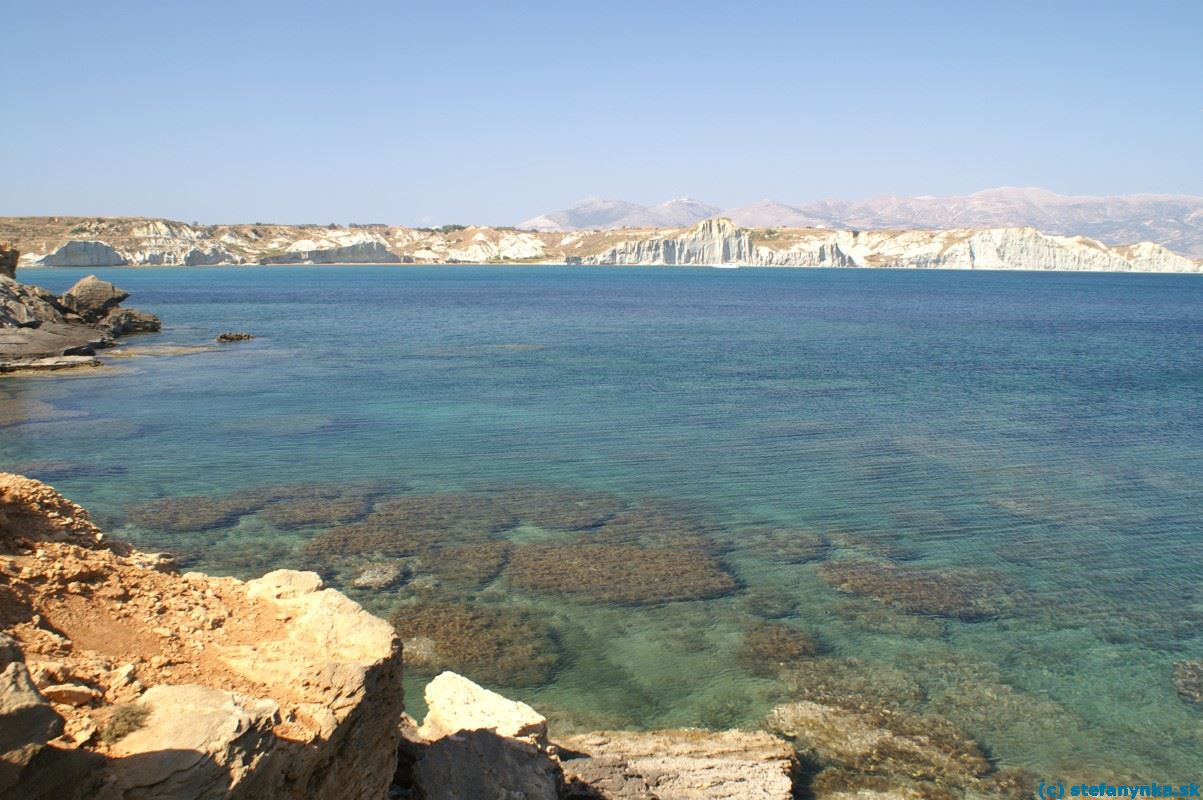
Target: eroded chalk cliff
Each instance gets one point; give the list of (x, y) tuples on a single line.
[(67, 241)]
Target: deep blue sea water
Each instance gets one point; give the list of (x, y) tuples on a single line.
[(1045, 427)]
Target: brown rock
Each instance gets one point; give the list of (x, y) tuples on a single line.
[(92, 298)]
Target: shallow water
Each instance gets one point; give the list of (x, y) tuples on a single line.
[(1044, 427)]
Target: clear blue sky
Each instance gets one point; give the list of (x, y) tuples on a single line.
[(422, 113)]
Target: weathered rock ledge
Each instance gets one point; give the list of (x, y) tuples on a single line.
[(41, 331)]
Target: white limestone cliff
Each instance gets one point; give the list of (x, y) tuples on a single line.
[(116, 241), (721, 242)]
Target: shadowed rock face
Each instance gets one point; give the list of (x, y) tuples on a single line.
[(8, 260)]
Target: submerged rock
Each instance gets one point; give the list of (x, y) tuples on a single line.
[(190, 513), (410, 525), (853, 684), (769, 647), (618, 573), (491, 644), (663, 524), (470, 564), (783, 545), (1188, 681), (561, 509), (303, 512), (380, 576), (964, 594)]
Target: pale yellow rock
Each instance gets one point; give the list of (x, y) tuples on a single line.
[(457, 704)]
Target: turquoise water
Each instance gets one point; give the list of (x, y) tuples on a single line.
[(1044, 429)]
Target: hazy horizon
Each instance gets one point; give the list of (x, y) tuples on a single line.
[(424, 114)]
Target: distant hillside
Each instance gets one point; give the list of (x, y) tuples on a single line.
[(1174, 221), (97, 242)]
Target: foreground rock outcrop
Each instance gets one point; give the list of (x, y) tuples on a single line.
[(41, 331), (75, 241), (132, 681)]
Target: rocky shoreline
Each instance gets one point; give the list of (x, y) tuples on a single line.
[(122, 678), (42, 331)]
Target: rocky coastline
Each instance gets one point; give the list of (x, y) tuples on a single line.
[(120, 677), (120, 241), (42, 331)]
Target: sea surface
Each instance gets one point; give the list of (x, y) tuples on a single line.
[(1037, 438)]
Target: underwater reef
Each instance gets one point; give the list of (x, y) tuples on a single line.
[(784, 545), (965, 594), (627, 574), (491, 644), (768, 647), (560, 509)]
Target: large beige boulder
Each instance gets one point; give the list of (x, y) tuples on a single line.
[(457, 704), (92, 297), (476, 743)]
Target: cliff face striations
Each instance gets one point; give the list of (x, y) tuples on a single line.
[(71, 241)]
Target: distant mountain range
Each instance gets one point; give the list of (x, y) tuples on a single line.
[(1175, 221)]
